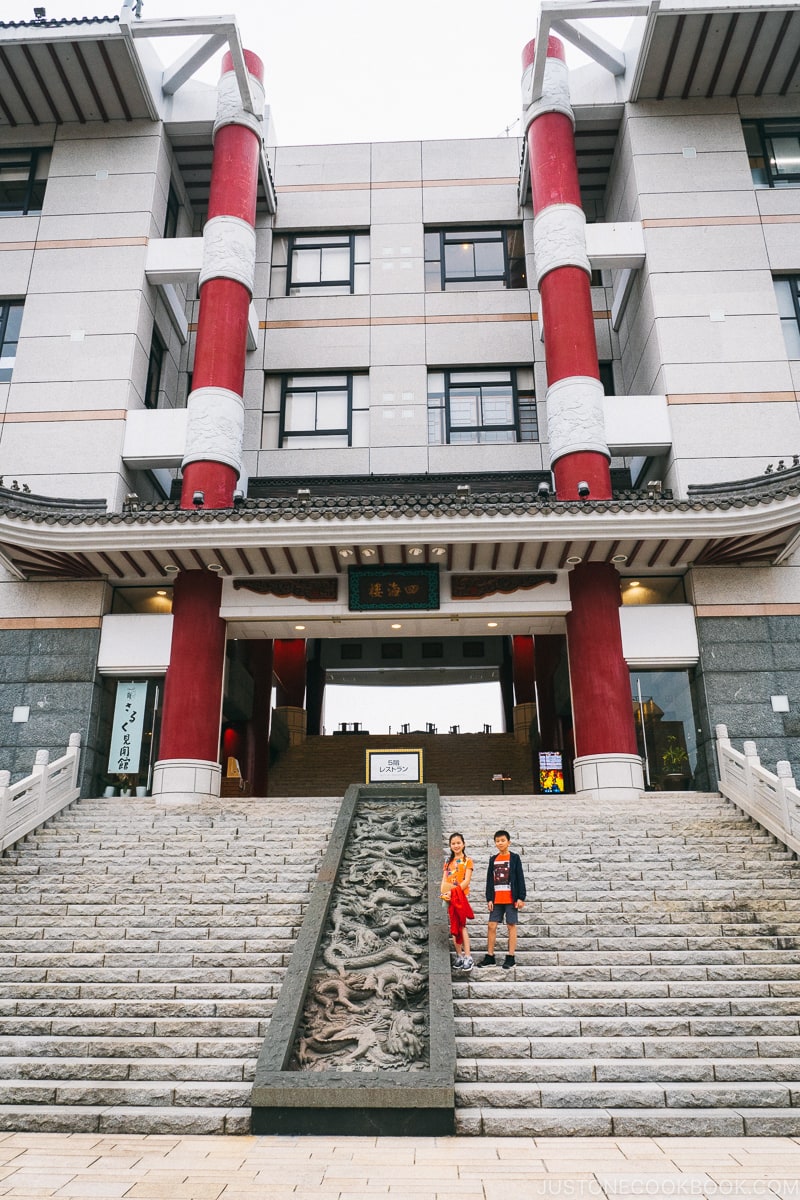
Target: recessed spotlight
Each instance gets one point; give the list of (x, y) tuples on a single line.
[(368, 552), (438, 550), (634, 583), (492, 624), (414, 551), (396, 626), (619, 558), (299, 626), (215, 567), (573, 560), (161, 592), (171, 569), (345, 554)]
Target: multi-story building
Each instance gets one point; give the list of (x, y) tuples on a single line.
[(523, 406)]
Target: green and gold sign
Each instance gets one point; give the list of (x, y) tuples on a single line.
[(398, 588)]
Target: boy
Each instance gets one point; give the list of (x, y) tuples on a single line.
[(505, 894)]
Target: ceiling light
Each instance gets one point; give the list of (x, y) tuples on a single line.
[(299, 626), (415, 551), (368, 552), (397, 626), (345, 554), (438, 550), (161, 592), (573, 560), (619, 558), (634, 583), (492, 624), (216, 567), (171, 569)]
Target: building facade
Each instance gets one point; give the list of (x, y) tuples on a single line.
[(525, 407)]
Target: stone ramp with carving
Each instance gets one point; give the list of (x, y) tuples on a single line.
[(657, 989), (142, 948)]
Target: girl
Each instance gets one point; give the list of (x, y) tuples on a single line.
[(457, 873)]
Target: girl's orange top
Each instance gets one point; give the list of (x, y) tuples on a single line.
[(455, 872)]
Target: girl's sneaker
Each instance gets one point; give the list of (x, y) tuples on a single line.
[(459, 963), (467, 963)]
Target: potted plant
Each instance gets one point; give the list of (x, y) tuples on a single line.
[(675, 764), (126, 783)]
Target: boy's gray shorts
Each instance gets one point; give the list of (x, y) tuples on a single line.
[(499, 911)]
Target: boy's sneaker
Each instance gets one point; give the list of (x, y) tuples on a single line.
[(509, 961), (458, 965), (467, 963), (488, 960)]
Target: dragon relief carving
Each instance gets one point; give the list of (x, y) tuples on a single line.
[(367, 1005)]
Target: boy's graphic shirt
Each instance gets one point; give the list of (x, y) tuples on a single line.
[(456, 870), (502, 878)]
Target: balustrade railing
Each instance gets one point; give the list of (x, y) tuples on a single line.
[(772, 800), (50, 787)]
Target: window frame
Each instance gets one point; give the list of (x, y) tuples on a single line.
[(16, 157), (525, 415), (453, 235), (773, 178), (794, 291), (339, 240), (286, 436), (173, 213), (155, 370), (6, 308)]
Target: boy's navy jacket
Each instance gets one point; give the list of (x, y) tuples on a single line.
[(517, 879)]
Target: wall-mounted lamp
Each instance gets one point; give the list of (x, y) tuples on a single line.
[(583, 488), (543, 491), (198, 499)]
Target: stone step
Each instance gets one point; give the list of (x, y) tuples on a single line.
[(138, 1119), (680, 1007), (478, 989), (612, 1070), (129, 1027), (626, 1095), (628, 1122), (663, 1046), (153, 1091), (544, 1027), (144, 1009), (172, 1046), (234, 1070)]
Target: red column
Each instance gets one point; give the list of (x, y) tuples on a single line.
[(188, 763), (601, 695), (290, 672), (259, 663), (212, 462), (193, 688), (575, 394), (524, 685), (605, 740)]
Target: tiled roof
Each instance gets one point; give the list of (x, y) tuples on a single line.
[(58, 23)]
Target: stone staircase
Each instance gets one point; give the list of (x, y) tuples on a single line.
[(657, 989), (141, 951), (461, 764)]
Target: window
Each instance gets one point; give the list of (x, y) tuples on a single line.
[(773, 148), (10, 321), (473, 259), (173, 213), (787, 291), (324, 410), (155, 366), (475, 407), (320, 264), (23, 177)]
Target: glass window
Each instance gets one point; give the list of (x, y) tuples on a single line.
[(653, 589), (473, 259), (773, 148), (155, 366), (173, 213), (10, 322), (320, 264), (477, 407), (23, 177), (327, 410), (665, 727), (787, 293)]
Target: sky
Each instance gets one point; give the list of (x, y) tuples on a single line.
[(365, 70)]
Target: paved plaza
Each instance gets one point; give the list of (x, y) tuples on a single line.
[(154, 1167)]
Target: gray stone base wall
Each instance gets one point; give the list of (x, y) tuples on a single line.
[(743, 662), (53, 671)]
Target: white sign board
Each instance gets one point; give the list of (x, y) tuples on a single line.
[(394, 766), (126, 732)]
